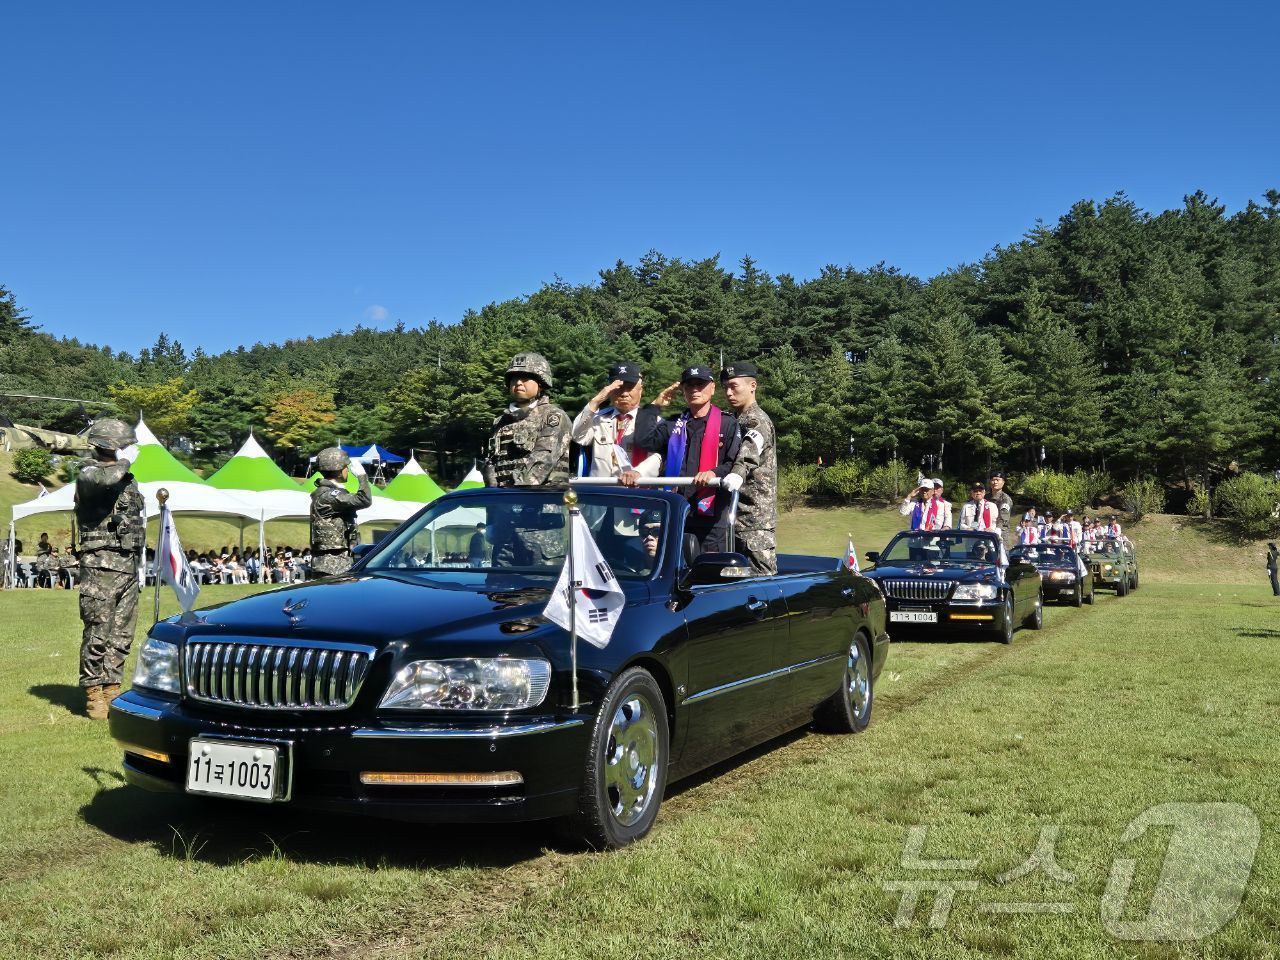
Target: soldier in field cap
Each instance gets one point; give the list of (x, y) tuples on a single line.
[(113, 532), (530, 441), (333, 513), (1000, 497), (755, 471)]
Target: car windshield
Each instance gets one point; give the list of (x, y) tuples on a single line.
[(952, 546), (525, 533), (1107, 549), (1044, 553)]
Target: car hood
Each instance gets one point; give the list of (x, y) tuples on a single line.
[(378, 607), (964, 574)]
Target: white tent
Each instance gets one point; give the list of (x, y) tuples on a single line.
[(386, 510)]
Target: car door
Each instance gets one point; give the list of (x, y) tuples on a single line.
[(735, 631), (815, 644)]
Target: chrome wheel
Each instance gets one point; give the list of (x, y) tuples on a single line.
[(858, 675), (630, 759)]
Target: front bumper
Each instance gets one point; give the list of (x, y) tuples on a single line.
[(989, 616), (326, 759), (1062, 590)]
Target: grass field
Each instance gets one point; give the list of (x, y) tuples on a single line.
[(1167, 696)]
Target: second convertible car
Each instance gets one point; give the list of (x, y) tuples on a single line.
[(418, 688), (957, 580)]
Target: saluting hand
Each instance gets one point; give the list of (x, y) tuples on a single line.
[(667, 395), (605, 394)]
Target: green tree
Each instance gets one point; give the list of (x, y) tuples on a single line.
[(165, 406)]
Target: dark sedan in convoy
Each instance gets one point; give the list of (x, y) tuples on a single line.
[(1067, 578), (956, 580), (418, 689)]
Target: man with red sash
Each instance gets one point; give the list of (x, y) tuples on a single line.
[(610, 430), (702, 443), (980, 513)]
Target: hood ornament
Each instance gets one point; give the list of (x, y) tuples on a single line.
[(289, 607)]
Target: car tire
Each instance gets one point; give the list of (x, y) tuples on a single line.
[(849, 709), (1122, 588), (626, 768), (1134, 585), (1006, 635), (1090, 598), (1078, 598), (1036, 618)]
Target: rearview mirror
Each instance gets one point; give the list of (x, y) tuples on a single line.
[(717, 568)]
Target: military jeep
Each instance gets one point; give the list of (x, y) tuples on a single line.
[(1115, 565)]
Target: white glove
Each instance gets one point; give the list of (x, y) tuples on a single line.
[(731, 483), (129, 453), (357, 468)]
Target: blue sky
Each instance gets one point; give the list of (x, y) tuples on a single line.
[(233, 172)]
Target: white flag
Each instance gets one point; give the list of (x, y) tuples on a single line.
[(595, 593), (171, 563)]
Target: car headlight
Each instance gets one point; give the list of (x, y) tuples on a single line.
[(1064, 575), (1106, 568), (471, 684), (975, 591), (157, 666)]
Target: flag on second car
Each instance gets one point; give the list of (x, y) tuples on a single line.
[(594, 592), (171, 563)]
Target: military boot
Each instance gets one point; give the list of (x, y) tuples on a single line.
[(94, 706), (109, 692)]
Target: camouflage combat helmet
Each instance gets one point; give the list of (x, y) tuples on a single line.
[(111, 434), (331, 460), (534, 364)]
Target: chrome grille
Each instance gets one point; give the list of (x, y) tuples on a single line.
[(918, 589), (276, 676)]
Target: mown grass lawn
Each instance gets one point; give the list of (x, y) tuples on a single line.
[(1169, 695)]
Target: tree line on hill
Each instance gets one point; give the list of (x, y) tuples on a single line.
[(1115, 340)]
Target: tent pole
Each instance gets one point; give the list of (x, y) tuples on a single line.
[(11, 562)]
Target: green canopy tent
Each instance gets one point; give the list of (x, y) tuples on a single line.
[(472, 480), (413, 484)]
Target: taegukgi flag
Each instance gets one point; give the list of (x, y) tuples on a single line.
[(171, 563), (851, 557), (594, 590)]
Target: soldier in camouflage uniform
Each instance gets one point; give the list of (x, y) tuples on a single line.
[(109, 513), (530, 442), (529, 447), (755, 471), (333, 514)]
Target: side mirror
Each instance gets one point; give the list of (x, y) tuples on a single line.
[(716, 568), (873, 556), (360, 549)]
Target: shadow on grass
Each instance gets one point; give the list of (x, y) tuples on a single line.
[(1263, 634), (66, 695), (226, 832)]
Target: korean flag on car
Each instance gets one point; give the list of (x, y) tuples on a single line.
[(596, 596)]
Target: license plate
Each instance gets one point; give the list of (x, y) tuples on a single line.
[(247, 770), (913, 616)]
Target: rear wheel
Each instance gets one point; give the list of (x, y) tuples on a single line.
[(849, 708), (626, 771), (1089, 598), (1122, 589), (1078, 598), (1134, 585), (1036, 619)]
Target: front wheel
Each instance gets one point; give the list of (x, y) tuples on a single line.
[(1122, 589), (1078, 598), (1006, 635), (849, 708), (626, 770)]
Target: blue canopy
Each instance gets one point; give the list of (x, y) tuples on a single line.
[(368, 452)]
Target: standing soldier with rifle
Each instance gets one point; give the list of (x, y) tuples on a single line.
[(113, 534), (333, 513)]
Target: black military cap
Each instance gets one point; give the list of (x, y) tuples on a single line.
[(651, 518), (626, 371), (743, 369), (696, 374), (977, 485)]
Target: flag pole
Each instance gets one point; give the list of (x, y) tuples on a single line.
[(571, 501), (162, 497)]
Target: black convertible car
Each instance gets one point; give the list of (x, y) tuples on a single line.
[(419, 689), (1067, 577), (949, 580)]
